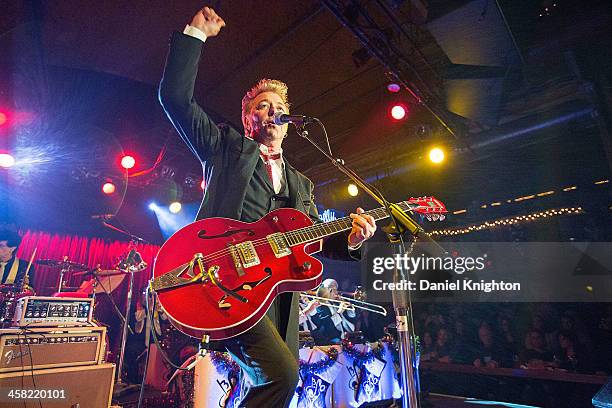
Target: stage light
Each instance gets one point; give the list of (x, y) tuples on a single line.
[(127, 162), (175, 207), (6, 160), (3, 118), (153, 206), (398, 112), (203, 184), (436, 155), (108, 188), (353, 190), (393, 87)]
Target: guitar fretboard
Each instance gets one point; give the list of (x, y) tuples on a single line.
[(317, 231)]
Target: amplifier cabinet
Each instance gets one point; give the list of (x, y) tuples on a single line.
[(82, 387), (38, 348)]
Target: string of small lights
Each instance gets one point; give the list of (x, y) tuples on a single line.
[(509, 221), (529, 197)]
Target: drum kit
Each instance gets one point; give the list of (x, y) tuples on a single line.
[(100, 281), (95, 282)]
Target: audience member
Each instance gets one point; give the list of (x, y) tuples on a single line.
[(428, 347), (535, 354), (572, 357), (490, 353), (444, 348)]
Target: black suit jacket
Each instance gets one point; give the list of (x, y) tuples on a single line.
[(228, 157)]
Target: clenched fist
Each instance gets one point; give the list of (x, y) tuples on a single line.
[(207, 21)]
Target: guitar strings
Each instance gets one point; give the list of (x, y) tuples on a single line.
[(289, 234), (296, 233)]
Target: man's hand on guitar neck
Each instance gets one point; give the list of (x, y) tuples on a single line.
[(363, 227)]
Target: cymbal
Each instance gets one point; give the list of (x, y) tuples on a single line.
[(64, 289), (62, 264), (100, 272), (82, 273), (110, 272), (106, 285)]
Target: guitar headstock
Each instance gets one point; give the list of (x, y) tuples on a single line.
[(429, 206)]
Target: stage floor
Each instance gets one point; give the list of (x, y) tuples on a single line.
[(450, 401), (154, 399)]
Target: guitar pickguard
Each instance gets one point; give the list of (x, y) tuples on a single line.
[(245, 286)]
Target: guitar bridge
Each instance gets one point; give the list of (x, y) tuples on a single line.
[(236, 258), (279, 245)]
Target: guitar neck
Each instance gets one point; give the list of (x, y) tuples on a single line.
[(321, 230)]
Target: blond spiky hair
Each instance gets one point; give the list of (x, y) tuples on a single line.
[(264, 85)]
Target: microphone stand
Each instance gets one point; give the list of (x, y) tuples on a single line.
[(126, 233), (132, 267), (401, 223)]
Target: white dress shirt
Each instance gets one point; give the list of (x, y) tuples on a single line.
[(278, 168)]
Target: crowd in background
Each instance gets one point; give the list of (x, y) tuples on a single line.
[(573, 337)]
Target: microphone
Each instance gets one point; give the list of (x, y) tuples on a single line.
[(298, 120)]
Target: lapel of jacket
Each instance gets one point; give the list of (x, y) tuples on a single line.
[(293, 184), (251, 153), (265, 175), (252, 149)]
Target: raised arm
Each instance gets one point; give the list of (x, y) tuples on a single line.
[(177, 85)]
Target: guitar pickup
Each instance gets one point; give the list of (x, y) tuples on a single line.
[(236, 258), (244, 256), (279, 245)]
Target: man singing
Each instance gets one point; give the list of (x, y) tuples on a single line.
[(249, 177)]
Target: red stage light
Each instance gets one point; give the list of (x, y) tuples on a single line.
[(127, 162), (398, 112), (3, 118), (108, 188), (203, 184)]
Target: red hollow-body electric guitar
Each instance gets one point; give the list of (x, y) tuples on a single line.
[(218, 276)]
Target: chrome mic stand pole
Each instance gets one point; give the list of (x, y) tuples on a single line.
[(126, 322), (65, 268), (134, 264), (404, 224)]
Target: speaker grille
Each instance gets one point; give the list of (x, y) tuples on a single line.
[(87, 386)]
